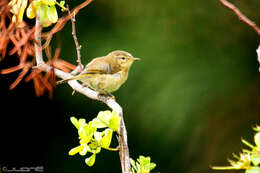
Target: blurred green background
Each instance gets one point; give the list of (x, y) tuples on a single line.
[(187, 103)]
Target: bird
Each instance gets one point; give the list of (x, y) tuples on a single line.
[(106, 74)]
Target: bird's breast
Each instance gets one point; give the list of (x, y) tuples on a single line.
[(106, 82)]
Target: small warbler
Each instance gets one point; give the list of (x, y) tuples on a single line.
[(106, 74)]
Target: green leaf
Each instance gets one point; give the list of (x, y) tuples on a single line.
[(75, 150), (114, 123), (98, 149), (257, 139), (89, 129), (47, 14), (255, 159), (144, 160), (86, 140), (43, 15), (30, 12), (62, 3), (132, 162), (52, 14), (82, 133), (98, 124), (98, 136), (151, 166), (94, 147), (104, 117), (143, 164), (91, 160), (253, 169), (108, 119), (106, 140), (84, 150), (75, 122), (82, 122), (49, 2)]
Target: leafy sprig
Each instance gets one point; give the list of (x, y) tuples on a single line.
[(44, 8), (90, 139), (97, 134), (248, 159), (142, 165)]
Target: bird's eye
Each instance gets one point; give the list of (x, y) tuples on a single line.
[(123, 58)]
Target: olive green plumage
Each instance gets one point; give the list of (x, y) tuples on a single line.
[(106, 74)]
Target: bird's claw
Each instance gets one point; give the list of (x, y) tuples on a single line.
[(106, 96)]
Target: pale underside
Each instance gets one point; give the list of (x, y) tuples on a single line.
[(105, 83)]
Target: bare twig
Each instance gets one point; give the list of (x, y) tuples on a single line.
[(240, 15), (75, 39), (258, 55), (110, 102), (37, 45), (123, 150), (62, 21)]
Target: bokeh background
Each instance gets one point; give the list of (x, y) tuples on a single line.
[(186, 104)]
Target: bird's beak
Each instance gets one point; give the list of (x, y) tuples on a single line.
[(135, 59)]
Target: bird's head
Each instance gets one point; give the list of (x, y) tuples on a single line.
[(123, 59)]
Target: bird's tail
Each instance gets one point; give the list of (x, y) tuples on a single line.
[(80, 76), (63, 81)]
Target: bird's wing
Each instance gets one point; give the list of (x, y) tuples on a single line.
[(94, 67), (97, 66)]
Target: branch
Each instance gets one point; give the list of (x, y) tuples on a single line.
[(110, 102), (75, 39), (240, 15), (258, 55), (37, 45), (62, 21)]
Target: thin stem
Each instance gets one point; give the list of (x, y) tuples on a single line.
[(258, 58), (78, 47), (223, 167), (240, 15), (62, 21), (37, 45), (124, 151), (62, 7), (113, 149), (248, 144)]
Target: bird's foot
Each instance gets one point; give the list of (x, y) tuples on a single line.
[(106, 96), (84, 85)]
